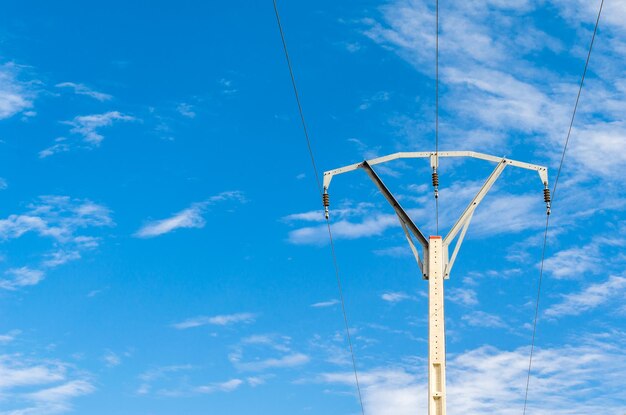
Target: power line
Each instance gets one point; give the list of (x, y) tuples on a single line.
[(556, 182), (319, 187)]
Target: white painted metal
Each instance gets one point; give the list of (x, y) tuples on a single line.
[(543, 171), (436, 329), (416, 254), (436, 265), (469, 210)]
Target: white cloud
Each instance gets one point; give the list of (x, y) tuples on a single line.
[(60, 394), (508, 213), (286, 361), (186, 110), (81, 89), (344, 229), (39, 387), (569, 372), (283, 357), (88, 125), (591, 297), (58, 218), (499, 213), (600, 254), (61, 146), (21, 277), (395, 251), (3, 184), (395, 297), (173, 382), (15, 96), (494, 89), (328, 303), (227, 86), (159, 374), (9, 337), (381, 96), (188, 218), (112, 359), (227, 386), (483, 319), (60, 257), (220, 320), (463, 296), (192, 217)]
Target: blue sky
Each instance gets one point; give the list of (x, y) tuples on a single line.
[(162, 250)]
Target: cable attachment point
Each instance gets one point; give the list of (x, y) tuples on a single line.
[(546, 198), (436, 183), (326, 202)]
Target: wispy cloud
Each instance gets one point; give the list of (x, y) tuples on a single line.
[(219, 320), (87, 126), (61, 146), (81, 89), (15, 96), (112, 359), (9, 337), (484, 319), (344, 229), (174, 382), (395, 297), (463, 296), (601, 253), (286, 361), (192, 217), (227, 386), (32, 386), (21, 277), (283, 356), (163, 373), (591, 297), (60, 219), (323, 304), (58, 396), (496, 90), (186, 110), (227, 87), (402, 390)]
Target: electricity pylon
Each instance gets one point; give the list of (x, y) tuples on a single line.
[(437, 264)]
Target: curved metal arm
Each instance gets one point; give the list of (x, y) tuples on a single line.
[(543, 171)]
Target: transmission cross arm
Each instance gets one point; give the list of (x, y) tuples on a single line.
[(543, 171)]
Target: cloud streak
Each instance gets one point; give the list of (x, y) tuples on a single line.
[(80, 89), (219, 320), (589, 298), (15, 95), (189, 218), (402, 390), (87, 126)]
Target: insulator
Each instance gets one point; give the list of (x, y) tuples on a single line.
[(326, 200), (435, 179), (546, 195)]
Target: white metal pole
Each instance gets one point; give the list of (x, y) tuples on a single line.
[(436, 329)]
